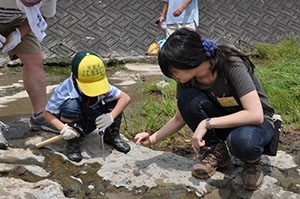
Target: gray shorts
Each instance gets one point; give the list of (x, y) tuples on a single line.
[(29, 43)]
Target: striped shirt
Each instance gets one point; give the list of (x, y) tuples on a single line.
[(9, 10), (66, 90)]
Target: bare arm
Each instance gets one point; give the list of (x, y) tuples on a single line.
[(52, 119), (252, 114), (123, 101), (164, 12)]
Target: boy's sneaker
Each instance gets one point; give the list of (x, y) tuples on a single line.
[(3, 141), (215, 158), (38, 123), (73, 150), (252, 175)]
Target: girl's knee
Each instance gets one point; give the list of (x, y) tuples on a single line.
[(245, 145)]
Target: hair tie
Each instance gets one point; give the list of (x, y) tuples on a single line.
[(209, 46)]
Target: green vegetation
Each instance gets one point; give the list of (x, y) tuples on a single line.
[(156, 106), (277, 67)]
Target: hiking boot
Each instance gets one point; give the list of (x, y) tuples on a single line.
[(38, 123), (215, 158), (252, 175), (112, 136), (73, 150), (3, 141)]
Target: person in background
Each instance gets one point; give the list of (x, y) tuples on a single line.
[(221, 100), (178, 14), (85, 102), (19, 41)]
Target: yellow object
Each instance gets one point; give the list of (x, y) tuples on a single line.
[(153, 49), (89, 72)]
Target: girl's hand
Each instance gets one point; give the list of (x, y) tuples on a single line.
[(197, 139), (143, 139)]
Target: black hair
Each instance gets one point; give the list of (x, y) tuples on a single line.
[(184, 50)]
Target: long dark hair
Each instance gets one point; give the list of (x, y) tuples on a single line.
[(184, 50)]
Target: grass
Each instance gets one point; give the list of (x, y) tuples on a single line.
[(277, 67), (156, 106)]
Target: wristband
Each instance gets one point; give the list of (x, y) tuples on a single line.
[(208, 120)]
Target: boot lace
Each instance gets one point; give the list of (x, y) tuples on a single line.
[(253, 167), (212, 158)]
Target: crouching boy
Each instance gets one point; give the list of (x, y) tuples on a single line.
[(86, 101)]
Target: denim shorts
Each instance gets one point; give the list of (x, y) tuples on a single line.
[(71, 109)]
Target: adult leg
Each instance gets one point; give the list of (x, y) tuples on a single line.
[(247, 143), (29, 52), (35, 85), (34, 80), (194, 107)]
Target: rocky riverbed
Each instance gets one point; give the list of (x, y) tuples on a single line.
[(28, 172)]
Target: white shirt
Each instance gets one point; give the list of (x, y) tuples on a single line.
[(9, 10)]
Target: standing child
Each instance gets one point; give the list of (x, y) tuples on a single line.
[(179, 14), (85, 102)]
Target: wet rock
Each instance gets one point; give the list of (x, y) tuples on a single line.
[(16, 188), (144, 167)]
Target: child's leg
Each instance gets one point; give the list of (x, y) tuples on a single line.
[(112, 133), (71, 113)]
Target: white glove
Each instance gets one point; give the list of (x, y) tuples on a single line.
[(103, 121), (69, 133), (12, 41), (2, 41)]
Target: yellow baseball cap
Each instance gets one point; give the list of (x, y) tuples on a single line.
[(89, 72)]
